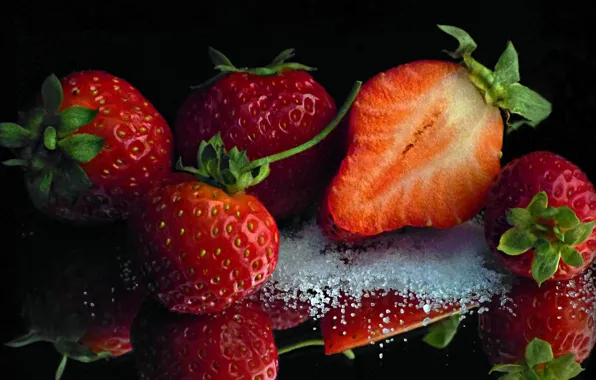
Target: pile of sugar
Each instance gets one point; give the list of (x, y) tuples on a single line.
[(434, 267)]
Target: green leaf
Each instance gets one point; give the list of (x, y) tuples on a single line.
[(520, 217), (51, 92), (442, 333), (218, 58), (507, 368), (571, 256), (548, 213), (507, 68), (466, 44), (546, 261), (515, 241), (41, 187), (70, 180), (538, 351), (558, 233), (527, 103), (82, 147), (282, 57), (13, 135), (78, 352), (566, 218), (538, 203), (74, 118), (16, 162), (513, 376), (49, 138), (564, 367), (33, 120), (579, 233), (238, 160)]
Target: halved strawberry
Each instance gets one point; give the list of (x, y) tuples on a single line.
[(375, 317), (425, 141)]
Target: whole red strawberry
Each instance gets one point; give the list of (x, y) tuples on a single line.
[(93, 147), (541, 210), (560, 314), (86, 310), (234, 344), (203, 242), (266, 111)]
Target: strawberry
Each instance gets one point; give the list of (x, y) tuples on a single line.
[(94, 146), (541, 209), (234, 344), (377, 316), (203, 242), (425, 142), (284, 312), (266, 111), (330, 229), (86, 310), (555, 321)]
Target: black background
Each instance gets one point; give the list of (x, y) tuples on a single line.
[(162, 51)]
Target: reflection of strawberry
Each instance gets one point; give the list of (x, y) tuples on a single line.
[(425, 142), (87, 310), (374, 318), (234, 344), (540, 217), (93, 147), (265, 111), (561, 313), (284, 310)]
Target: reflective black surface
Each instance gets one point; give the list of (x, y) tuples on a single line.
[(163, 51)]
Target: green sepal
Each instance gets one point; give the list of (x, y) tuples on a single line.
[(40, 186), (49, 138), (82, 147), (78, 352), (520, 217), (223, 64), (75, 117), (33, 120), (16, 162), (69, 181), (13, 135), (501, 87), (578, 234), (546, 261), (539, 363), (516, 241), (442, 333), (538, 203), (571, 256), (52, 94)]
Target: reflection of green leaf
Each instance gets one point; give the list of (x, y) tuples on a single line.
[(538, 351), (441, 333), (564, 367)]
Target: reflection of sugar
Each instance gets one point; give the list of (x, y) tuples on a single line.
[(432, 266)]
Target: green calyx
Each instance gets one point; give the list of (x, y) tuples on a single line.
[(312, 343), (222, 64), (231, 169), (442, 333), (553, 233), (49, 322), (47, 149), (540, 364), (501, 87)]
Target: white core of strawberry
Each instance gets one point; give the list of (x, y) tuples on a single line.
[(433, 268)]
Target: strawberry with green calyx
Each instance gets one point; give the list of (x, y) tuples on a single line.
[(540, 216), (265, 111), (425, 143), (91, 147), (552, 232), (203, 242), (540, 364)]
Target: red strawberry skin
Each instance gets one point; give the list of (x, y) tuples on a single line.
[(267, 115), (234, 344), (137, 152), (562, 313), (377, 316), (516, 185), (203, 249)]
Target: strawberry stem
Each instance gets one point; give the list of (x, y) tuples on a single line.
[(317, 139), (310, 343), (61, 367)]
